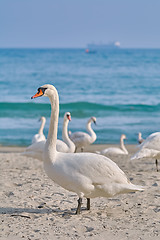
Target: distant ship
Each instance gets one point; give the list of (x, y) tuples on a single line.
[(93, 47)]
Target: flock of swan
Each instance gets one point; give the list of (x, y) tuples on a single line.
[(89, 175), (36, 149)]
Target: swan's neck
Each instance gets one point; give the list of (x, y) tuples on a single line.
[(65, 136), (140, 137), (50, 146), (90, 131), (41, 127), (123, 146)]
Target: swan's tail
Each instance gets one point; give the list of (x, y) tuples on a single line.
[(36, 155), (128, 188), (136, 188)]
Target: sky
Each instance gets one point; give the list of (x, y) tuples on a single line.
[(75, 23)]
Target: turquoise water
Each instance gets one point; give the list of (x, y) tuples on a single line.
[(121, 88)]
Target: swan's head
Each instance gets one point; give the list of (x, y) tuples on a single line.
[(45, 90), (93, 119), (123, 136), (67, 116), (42, 119)]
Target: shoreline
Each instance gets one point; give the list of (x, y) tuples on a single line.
[(91, 148)]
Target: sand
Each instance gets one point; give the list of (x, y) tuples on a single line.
[(34, 207)]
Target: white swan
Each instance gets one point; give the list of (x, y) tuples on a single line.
[(149, 148), (40, 136), (87, 174), (82, 139), (66, 145), (115, 150), (36, 149), (140, 139)]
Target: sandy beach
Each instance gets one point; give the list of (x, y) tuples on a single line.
[(34, 207)]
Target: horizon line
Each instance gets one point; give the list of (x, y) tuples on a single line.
[(33, 47)]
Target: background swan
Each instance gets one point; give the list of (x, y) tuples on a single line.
[(40, 136), (149, 148), (87, 174), (66, 145), (140, 139), (115, 150), (82, 139), (36, 149)]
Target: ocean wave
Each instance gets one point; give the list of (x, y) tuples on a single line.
[(78, 109)]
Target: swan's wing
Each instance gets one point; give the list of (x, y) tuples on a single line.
[(89, 175), (79, 137), (152, 142), (42, 138), (38, 138), (146, 153), (150, 148), (35, 150), (112, 151), (61, 146), (32, 154), (35, 138), (96, 167), (38, 146)]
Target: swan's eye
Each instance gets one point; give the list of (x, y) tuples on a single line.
[(41, 89), (69, 117), (94, 121)]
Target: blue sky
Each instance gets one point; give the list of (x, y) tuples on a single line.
[(74, 23)]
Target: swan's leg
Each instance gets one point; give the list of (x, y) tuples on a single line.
[(88, 203), (81, 149), (75, 149), (157, 165), (79, 206)]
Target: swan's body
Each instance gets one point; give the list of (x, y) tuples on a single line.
[(140, 139), (36, 149), (87, 174), (82, 139), (40, 136), (115, 150), (150, 148)]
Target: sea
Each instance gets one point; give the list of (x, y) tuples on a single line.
[(120, 87)]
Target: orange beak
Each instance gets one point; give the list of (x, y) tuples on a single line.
[(69, 118), (38, 94)]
